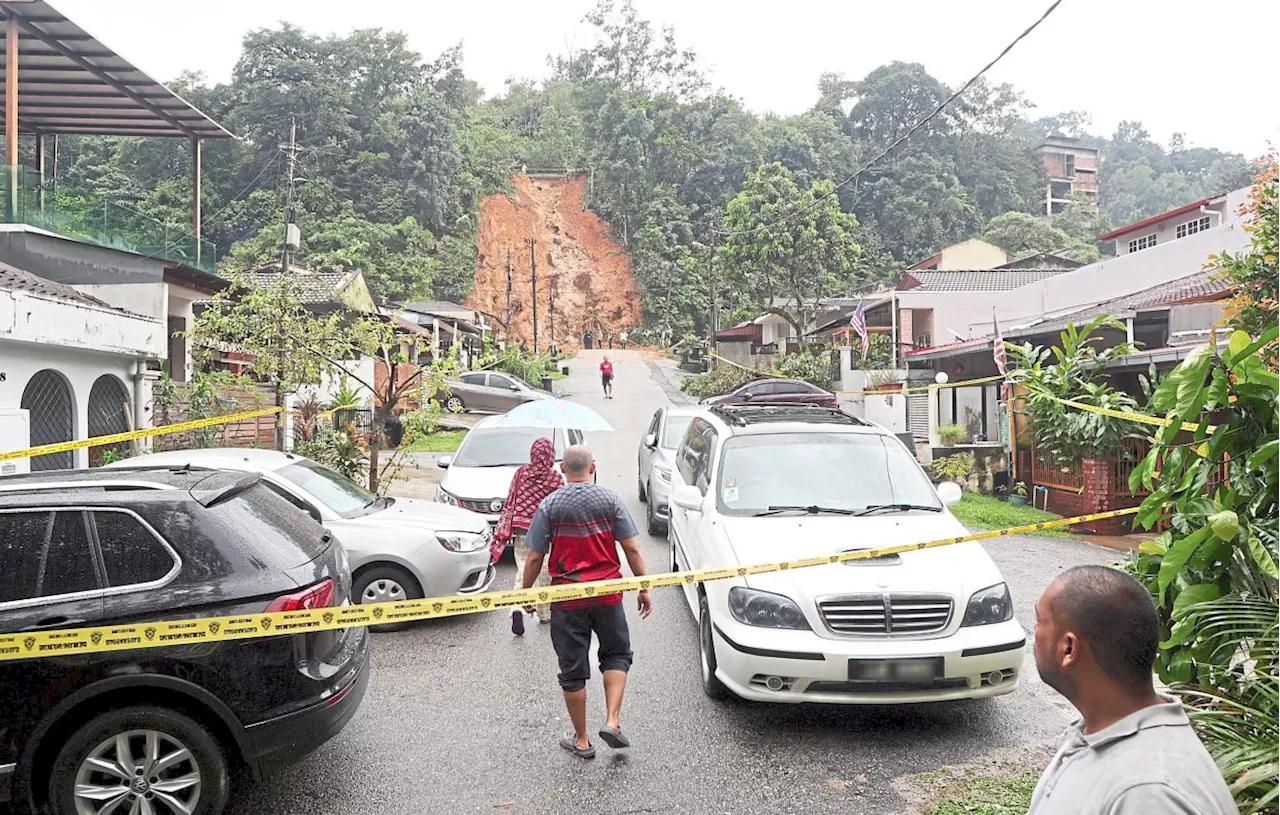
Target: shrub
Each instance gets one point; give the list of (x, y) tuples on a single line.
[(812, 368), (952, 434), (953, 468), (719, 380)]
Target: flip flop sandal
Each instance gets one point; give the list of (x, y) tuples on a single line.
[(570, 744), (613, 737), (517, 623)]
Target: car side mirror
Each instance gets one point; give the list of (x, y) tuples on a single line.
[(651, 440), (515, 387), (444, 461), (950, 493), (687, 498), (748, 395)]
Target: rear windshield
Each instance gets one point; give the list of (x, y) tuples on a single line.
[(503, 446)]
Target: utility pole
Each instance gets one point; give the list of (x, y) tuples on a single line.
[(551, 297), (715, 309), (509, 287), (290, 149), (533, 268)]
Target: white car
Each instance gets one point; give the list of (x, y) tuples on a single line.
[(656, 460), (478, 476), (765, 484), (399, 548)]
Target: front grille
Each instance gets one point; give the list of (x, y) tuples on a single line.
[(477, 504), (891, 615), (886, 687)]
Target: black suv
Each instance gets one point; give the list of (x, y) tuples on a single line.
[(158, 730)]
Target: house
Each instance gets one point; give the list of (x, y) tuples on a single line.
[(75, 363), (91, 292), (321, 292), (1071, 171), (755, 343), (1178, 223), (447, 324), (974, 253)]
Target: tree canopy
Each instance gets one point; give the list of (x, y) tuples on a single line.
[(398, 150)]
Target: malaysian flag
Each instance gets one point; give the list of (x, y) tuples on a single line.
[(997, 352), (859, 324)]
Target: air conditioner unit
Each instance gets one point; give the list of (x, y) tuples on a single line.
[(15, 434)]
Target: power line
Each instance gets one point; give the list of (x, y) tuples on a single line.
[(934, 114)]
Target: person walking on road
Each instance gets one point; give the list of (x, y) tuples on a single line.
[(532, 483), (580, 528), (606, 377), (1133, 750), (623, 338)]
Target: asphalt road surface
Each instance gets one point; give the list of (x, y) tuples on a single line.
[(461, 717)]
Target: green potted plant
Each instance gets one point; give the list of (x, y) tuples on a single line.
[(885, 381), (1019, 496), (952, 434)]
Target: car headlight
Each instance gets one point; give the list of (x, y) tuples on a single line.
[(664, 474), (462, 541), (445, 498), (751, 607), (989, 606)]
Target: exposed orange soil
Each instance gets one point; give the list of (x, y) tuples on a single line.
[(579, 263)]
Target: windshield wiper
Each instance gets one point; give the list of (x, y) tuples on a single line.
[(812, 510), (874, 508)]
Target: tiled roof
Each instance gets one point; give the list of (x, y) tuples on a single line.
[(15, 279), (311, 287), (435, 307), (1192, 288), (981, 280)]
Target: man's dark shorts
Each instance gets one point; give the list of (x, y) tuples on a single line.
[(605, 379), (571, 635)]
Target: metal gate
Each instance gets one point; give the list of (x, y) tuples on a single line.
[(918, 414), (108, 414), (48, 398)]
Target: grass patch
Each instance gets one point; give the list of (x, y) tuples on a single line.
[(441, 441), (984, 512), (986, 796)]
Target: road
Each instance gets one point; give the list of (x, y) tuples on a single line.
[(461, 717)]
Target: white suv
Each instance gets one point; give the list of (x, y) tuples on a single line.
[(758, 484)]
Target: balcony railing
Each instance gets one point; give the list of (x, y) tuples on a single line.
[(87, 216)]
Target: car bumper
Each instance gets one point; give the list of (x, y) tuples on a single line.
[(277, 743), (441, 572), (816, 669)]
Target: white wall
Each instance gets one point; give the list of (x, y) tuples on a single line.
[(332, 381), (19, 362), (888, 410), (146, 299), (27, 317)]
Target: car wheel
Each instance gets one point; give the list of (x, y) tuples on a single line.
[(454, 404), (386, 584), (711, 686), (155, 759), (655, 524)]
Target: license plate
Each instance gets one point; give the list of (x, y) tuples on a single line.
[(895, 670)]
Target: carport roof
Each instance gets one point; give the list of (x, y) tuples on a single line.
[(69, 82)]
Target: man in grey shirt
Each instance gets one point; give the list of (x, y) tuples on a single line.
[(1133, 751)]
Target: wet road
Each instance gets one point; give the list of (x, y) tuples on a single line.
[(461, 717)]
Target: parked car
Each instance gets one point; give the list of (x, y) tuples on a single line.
[(478, 476), (657, 451), (489, 391), (763, 484), (775, 391), (159, 730), (400, 548)]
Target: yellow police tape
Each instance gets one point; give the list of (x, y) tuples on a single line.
[(38, 644), (1190, 427), (116, 438)]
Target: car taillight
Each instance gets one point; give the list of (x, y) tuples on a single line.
[(319, 595)]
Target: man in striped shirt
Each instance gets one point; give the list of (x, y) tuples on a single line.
[(578, 530)]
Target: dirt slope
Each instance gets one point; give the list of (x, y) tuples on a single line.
[(588, 272)]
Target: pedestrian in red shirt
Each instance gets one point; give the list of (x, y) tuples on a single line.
[(606, 377), (578, 530)]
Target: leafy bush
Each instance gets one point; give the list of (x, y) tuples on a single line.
[(1079, 375), (719, 380), (952, 434), (953, 468), (812, 368)]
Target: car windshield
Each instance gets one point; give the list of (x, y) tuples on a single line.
[(841, 471), (673, 432), (334, 490), (503, 446)]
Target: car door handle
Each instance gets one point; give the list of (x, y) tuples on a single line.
[(56, 621)]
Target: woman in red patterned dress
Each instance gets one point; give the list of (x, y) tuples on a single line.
[(533, 482)]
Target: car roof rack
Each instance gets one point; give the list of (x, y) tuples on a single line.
[(743, 415)]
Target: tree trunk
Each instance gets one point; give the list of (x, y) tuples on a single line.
[(375, 443)]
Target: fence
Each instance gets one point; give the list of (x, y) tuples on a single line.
[(259, 432)]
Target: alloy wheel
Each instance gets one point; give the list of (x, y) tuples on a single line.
[(138, 772)]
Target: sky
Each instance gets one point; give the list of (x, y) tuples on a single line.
[(1175, 70)]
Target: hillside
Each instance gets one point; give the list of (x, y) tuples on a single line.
[(580, 266)]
